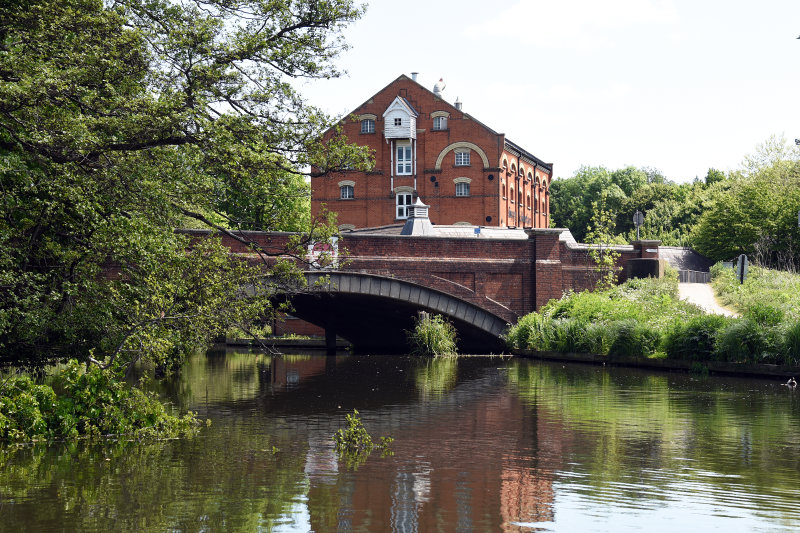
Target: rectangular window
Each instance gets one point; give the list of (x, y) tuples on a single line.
[(403, 200), (346, 192), (403, 159), (462, 189), (440, 123), (367, 126), (462, 159)]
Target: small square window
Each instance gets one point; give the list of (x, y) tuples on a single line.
[(462, 159), (346, 192), (398, 122), (440, 123), (462, 189), (367, 126)]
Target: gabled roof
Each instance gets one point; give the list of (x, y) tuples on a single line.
[(403, 104)]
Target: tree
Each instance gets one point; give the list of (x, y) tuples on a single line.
[(122, 120), (601, 232)]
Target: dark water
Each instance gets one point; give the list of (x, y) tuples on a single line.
[(481, 444)]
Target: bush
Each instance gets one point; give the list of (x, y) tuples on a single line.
[(432, 335), (530, 333), (83, 404), (744, 341), (695, 340), (632, 339), (791, 344)]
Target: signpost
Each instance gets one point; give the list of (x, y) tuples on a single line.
[(638, 220), (741, 268)]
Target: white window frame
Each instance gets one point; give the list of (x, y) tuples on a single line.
[(368, 125), (403, 202), (462, 158), (346, 192), (439, 123), (404, 165), (462, 189)]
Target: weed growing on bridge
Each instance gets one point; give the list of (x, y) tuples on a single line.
[(432, 335), (354, 444)]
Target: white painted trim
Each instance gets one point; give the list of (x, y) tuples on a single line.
[(462, 144)]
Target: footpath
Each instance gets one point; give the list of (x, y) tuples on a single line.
[(702, 295)]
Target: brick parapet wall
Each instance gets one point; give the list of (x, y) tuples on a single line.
[(508, 277)]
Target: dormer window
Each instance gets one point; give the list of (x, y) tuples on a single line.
[(440, 123), (368, 125), (462, 158)]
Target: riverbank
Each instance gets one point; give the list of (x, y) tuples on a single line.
[(646, 320), (711, 367)]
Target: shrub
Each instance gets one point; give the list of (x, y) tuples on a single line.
[(531, 332), (83, 404), (791, 344), (633, 339), (695, 340), (432, 335), (744, 341)]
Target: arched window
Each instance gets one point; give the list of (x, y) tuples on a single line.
[(504, 191), (511, 195), (529, 202)]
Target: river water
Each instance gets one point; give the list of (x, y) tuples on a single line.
[(481, 444)]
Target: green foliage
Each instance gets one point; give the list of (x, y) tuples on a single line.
[(633, 339), (745, 341), (791, 344), (601, 233), (432, 335), (696, 339), (354, 444), (125, 120), (757, 213), (90, 403)]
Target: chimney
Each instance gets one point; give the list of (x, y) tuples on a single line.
[(458, 103), (414, 76)]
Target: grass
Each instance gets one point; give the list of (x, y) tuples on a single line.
[(645, 318)]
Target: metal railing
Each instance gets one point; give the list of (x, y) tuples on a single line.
[(694, 276)]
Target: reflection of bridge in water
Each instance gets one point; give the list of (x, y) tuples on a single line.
[(481, 279)]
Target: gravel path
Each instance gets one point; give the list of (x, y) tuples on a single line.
[(702, 295)]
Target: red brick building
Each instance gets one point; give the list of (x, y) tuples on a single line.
[(425, 147)]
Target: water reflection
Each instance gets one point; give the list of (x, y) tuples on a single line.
[(480, 444)]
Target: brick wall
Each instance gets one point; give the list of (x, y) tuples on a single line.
[(508, 277)]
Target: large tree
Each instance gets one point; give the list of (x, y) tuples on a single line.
[(122, 120)]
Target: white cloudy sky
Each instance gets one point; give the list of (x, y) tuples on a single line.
[(679, 85)]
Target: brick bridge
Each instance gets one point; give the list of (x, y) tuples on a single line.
[(480, 279)]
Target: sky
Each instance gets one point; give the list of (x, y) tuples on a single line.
[(676, 85)]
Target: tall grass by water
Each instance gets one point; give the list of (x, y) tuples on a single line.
[(644, 318), (432, 335)]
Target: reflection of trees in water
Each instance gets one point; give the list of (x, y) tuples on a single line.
[(709, 430), (152, 487)]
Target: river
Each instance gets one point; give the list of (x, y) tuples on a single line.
[(481, 444)]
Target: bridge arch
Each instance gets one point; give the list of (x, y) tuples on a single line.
[(373, 312)]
